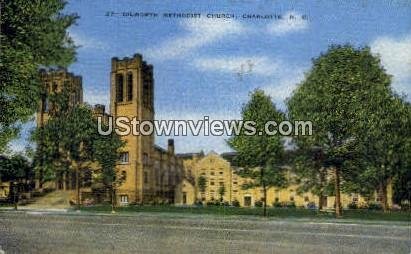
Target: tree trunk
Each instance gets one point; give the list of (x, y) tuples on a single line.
[(338, 210), (321, 195), (113, 199), (265, 200), (78, 187), (15, 194), (383, 194), (65, 181), (41, 145), (320, 201), (264, 192)]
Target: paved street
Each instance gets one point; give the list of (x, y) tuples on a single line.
[(36, 232)]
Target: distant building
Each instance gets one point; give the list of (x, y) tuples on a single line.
[(218, 172)]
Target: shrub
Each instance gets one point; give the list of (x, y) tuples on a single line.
[(213, 203), (151, 203), (224, 203), (210, 203), (198, 202), (311, 205), (258, 203), (235, 203), (290, 204), (363, 206), (352, 205), (277, 204), (374, 206)]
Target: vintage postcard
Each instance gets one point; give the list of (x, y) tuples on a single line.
[(232, 126)]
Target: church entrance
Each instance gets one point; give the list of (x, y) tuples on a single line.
[(247, 201)]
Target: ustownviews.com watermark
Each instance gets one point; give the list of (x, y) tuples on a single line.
[(125, 126)]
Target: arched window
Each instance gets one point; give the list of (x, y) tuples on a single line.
[(119, 87), (129, 86)]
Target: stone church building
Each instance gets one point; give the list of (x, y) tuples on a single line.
[(150, 172)]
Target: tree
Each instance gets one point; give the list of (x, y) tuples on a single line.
[(202, 184), (18, 171), (311, 173), (33, 34), (70, 141), (337, 95), (385, 140), (402, 187), (106, 153), (402, 181), (221, 192), (15, 168), (260, 155)]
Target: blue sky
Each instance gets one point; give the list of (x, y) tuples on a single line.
[(197, 61)]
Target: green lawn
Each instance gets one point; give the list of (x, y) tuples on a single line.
[(272, 212)]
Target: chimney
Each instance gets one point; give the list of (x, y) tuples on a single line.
[(170, 147)]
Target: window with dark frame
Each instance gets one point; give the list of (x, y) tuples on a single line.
[(119, 87), (129, 86), (124, 158)]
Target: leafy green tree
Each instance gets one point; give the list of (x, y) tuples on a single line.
[(384, 143), (402, 181), (336, 95), (402, 187), (33, 34), (19, 172), (259, 155), (311, 173), (106, 154), (16, 168), (202, 184), (71, 142)]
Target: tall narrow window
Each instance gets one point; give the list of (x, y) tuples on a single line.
[(146, 95), (123, 157), (119, 87), (129, 86)]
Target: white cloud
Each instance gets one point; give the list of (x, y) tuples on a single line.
[(395, 56), (287, 24), (85, 42), (288, 82), (94, 96), (199, 32), (239, 65)]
